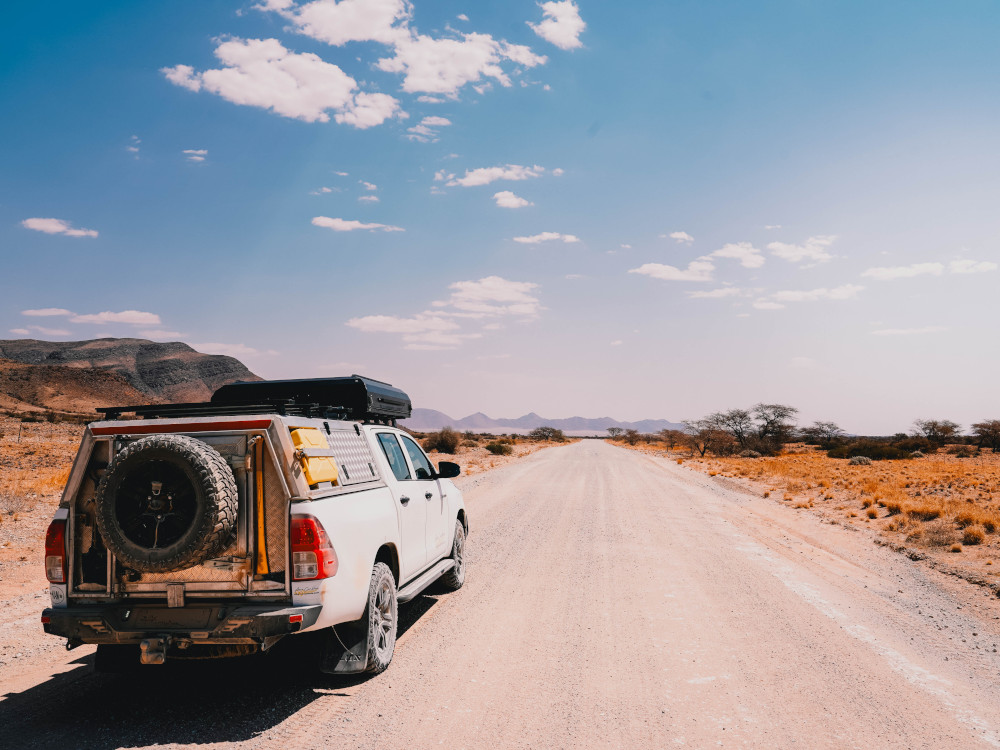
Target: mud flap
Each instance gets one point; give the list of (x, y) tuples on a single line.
[(346, 648)]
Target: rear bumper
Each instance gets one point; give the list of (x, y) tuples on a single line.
[(206, 624)]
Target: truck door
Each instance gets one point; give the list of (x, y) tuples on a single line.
[(411, 507), (439, 530)]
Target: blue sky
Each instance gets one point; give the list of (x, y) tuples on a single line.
[(638, 210)]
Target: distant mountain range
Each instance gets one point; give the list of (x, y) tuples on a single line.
[(429, 420)]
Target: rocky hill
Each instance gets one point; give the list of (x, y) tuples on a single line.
[(172, 372), (77, 390)]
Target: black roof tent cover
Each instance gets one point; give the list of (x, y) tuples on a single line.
[(356, 397)]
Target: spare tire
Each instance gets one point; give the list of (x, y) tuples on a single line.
[(167, 502)]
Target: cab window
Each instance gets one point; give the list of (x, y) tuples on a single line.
[(394, 454), (421, 465)]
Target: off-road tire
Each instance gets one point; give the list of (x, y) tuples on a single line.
[(454, 578), (212, 496), (382, 614)]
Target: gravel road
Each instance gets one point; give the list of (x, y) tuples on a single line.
[(613, 599)]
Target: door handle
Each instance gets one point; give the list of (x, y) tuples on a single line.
[(428, 495), (404, 500)]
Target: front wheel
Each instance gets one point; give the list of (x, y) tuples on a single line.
[(383, 618), (454, 578)]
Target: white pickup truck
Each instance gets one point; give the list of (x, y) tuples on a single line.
[(277, 508)]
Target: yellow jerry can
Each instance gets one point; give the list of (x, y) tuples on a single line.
[(319, 468)]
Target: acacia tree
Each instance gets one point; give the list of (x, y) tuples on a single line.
[(704, 435), (822, 433), (547, 433), (737, 422), (987, 434), (671, 437), (938, 431), (615, 432), (775, 422)]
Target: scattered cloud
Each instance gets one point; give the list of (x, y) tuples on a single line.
[(680, 237), (726, 291), (321, 191), (350, 225), (49, 331), (744, 252), (486, 175), (425, 99), (561, 24), (904, 272), (371, 186), (368, 199), (57, 226), (427, 130), (230, 350), (158, 335), (536, 239), (262, 73), (195, 154), (763, 304), (697, 270), (462, 17), (21, 331), (847, 291), (772, 226), (341, 174), (47, 312), (507, 199), (971, 266), (130, 317), (423, 323), (909, 331), (494, 296), (133, 145), (813, 249)]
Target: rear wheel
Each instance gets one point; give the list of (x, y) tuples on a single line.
[(454, 578), (383, 618)]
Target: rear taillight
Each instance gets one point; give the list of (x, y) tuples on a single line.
[(313, 555), (55, 551)]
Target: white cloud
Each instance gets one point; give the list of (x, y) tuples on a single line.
[(47, 312), (338, 23), (158, 335), (847, 291), (726, 291), (763, 304), (681, 237), (443, 66), (21, 331), (772, 226), (486, 175), (321, 191), (350, 225), (422, 323), (262, 73), (909, 331), (424, 98), (813, 249), (368, 199), (558, 172), (744, 252), (436, 341), (971, 266), (130, 317), (547, 237), (371, 186), (507, 199), (133, 147), (49, 331), (493, 295), (341, 174), (426, 131), (562, 24), (904, 272), (57, 226), (195, 154), (697, 270)]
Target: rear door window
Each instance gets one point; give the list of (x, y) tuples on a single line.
[(394, 454), (421, 465)]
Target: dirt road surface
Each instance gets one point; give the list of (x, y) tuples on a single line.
[(612, 600)]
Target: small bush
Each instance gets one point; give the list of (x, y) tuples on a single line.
[(498, 448), (915, 444), (973, 535), (445, 441), (750, 454), (955, 548), (470, 443), (860, 461), (917, 454), (961, 451), (872, 513), (870, 449)]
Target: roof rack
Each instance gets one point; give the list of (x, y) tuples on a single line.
[(354, 398)]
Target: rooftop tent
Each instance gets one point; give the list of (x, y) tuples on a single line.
[(357, 397)]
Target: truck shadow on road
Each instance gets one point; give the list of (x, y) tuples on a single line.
[(197, 702)]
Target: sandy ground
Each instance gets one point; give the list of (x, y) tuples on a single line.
[(612, 600)]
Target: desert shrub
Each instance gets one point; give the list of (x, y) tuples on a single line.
[(860, 461), (924, 511), (498, 448), (872, 449), (470, 443), (960, 451), (912, 444), (750, 454), (444, 441), (548, 433), (973, 535), (918, 454)]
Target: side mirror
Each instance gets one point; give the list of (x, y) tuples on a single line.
[(448, 470)]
